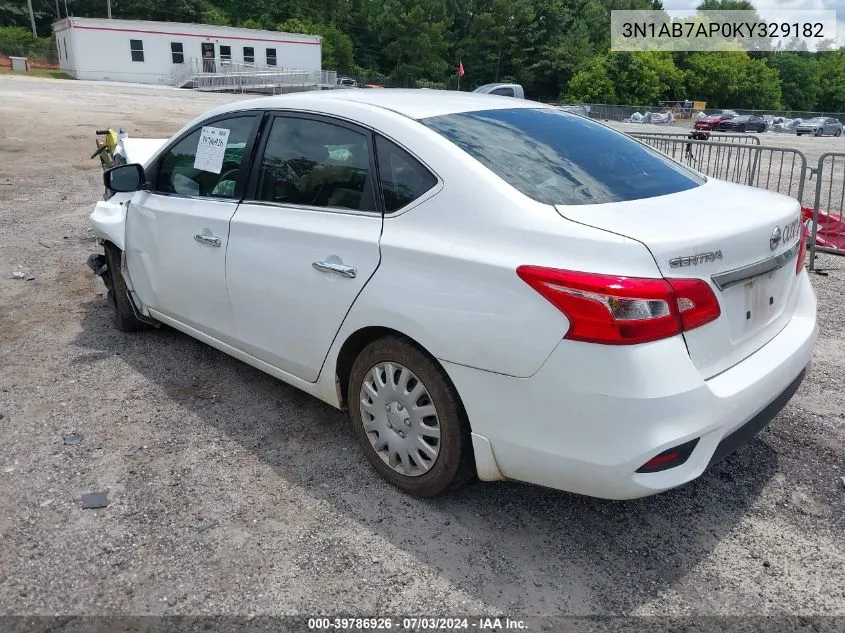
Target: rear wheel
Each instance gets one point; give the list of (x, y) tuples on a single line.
[(408, 419), (118, 294), (838, 133)]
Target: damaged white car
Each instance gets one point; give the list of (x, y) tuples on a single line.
[(489, 285)]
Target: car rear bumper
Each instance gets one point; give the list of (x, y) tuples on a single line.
[(594, 414)]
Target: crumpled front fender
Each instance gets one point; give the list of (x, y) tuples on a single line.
[(109, 219)]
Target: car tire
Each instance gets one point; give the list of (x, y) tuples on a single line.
[(741, 128), (819, 133), (118, 294), (838, 133), (453, 464)]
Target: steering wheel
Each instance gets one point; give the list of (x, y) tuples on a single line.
[(229, 174)]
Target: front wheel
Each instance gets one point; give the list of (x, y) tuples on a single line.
[(408, 419), (818, 132), (118, 294)]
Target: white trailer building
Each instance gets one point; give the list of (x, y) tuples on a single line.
[(162, 52)]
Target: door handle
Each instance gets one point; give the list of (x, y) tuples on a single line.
[(337, 269), (207, 239)]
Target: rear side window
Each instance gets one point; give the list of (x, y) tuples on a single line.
[(403, 178), (559, 158)]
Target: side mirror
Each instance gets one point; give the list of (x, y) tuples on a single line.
[(125, 178)]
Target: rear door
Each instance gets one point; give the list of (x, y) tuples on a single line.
[(305, 241), (177, 231)]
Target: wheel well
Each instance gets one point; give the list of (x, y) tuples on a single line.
[(352, 347)]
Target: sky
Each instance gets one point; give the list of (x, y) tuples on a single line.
[(763, 5)]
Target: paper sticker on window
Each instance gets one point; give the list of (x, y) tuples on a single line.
[(211, 148)]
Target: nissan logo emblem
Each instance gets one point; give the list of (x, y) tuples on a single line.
[(774, 240)]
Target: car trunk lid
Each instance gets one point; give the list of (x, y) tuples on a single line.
[(742, 241)]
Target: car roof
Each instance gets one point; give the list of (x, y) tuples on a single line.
[(415, 104)]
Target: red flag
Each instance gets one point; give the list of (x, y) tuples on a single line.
[(460, 69)]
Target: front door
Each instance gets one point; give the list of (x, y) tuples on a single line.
[(305, 242), (208, 57), (178, 229)]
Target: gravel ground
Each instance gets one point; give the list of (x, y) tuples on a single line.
[(232, 493)]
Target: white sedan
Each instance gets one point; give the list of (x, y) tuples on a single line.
[(491, 287)]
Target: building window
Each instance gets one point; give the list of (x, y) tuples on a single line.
[(249, 55), (177, 52), (136, 48), (271, 56), (225, 53), (65, 49)]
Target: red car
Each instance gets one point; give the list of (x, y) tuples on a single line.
[(710, 122)]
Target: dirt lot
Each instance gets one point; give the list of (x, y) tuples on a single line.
[(231, 493)]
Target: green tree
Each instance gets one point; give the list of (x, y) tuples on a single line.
[(592, 84), (725, 5), (643, 77), (493, 39), (714, 77), (412, 34), (337, 45), (831, 65), (799, 79), (759, 88)]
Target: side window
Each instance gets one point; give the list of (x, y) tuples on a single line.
[(225, 53), (271, 56), (177, 53), (317, 164), (136, 49), (403, 178), (178, 175), (249, 55), (505, 92)]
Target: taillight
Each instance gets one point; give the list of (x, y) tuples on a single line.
[(623, 310), (802, 248)]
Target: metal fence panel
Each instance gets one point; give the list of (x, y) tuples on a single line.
[(829, 206), (716, 137), (774, 168)]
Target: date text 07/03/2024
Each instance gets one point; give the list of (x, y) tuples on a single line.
[(417, 623)]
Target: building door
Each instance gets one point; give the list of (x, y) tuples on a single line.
[(208, 57)]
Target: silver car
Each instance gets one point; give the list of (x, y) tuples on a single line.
[(820, 126)]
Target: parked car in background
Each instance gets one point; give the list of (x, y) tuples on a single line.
[(820, 126), (742, 123), (503, 90), (346, 82), (711, 121), (597, 317)]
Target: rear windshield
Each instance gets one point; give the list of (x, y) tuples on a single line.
[(559, 158)]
